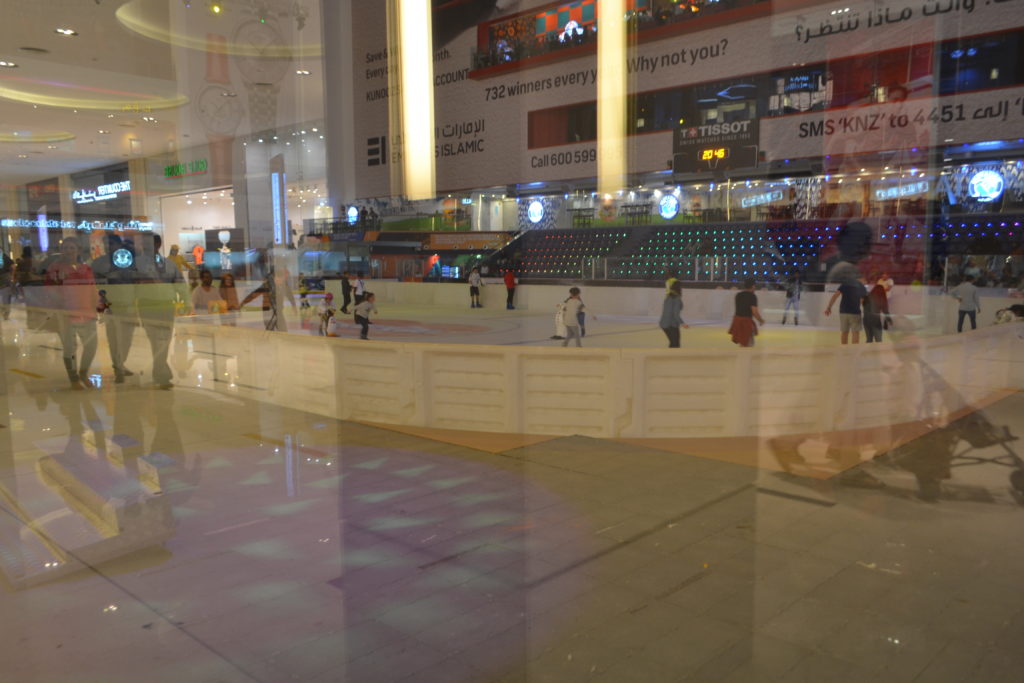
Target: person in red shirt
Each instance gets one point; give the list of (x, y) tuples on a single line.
[(510, 286), (76, 301)]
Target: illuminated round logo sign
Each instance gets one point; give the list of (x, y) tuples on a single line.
[(986, 186), (668, 207), (535, 212), (123, 258), (353, 215)]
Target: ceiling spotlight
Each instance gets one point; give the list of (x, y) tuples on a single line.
[(228, 93), (215, 7), (23, 156), (8, 65), (103, 132), (66, 31), (51, 147), (303, 72)]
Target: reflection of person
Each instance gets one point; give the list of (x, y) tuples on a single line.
[(24, 269), (116, 272), (967, 294), (206, 299), (743, 330), (671, 314), (570, 317), (6, 285), (475, 283), (159, 291), (230, 296), (361, 313), (76, 315)]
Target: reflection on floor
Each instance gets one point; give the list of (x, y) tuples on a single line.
[(195, 536)]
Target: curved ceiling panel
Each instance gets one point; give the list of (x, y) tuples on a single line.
[(189, 27)]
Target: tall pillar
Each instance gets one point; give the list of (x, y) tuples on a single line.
[(339, 110)]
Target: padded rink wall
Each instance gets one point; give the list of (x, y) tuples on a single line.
[(629, 393)]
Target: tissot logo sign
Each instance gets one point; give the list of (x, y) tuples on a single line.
[(715, 146)]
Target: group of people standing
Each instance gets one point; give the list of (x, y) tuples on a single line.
[(351, 287), (131, 285)]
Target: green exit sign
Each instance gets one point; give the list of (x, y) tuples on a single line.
[(180, 170)]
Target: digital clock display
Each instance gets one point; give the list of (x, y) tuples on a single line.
[(714, 153)]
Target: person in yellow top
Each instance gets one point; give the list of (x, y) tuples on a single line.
[(178, 259)]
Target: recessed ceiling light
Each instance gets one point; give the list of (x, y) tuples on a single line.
[(8, 65), (103, 132), (110, 116), (303, 72), (228, 93), (51, 147), (66, 31), (23, 156)]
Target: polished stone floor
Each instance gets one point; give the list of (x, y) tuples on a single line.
[(190, 535)]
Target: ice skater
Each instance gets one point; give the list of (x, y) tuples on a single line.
[(362, 314), (672, 314), (574, 308), (793, 289), (475, 283), (743, 330)]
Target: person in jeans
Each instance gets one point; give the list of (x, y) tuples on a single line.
[(573, 308), (76, 315), (362, 312), (852, 291), (671, 314), (967, 294)]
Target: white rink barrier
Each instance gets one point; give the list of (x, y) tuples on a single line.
[(927, 307), (616, 392)]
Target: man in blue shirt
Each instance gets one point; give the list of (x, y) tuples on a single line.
[(852, 290)]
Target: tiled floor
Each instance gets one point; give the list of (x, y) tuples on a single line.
[(299, 548)]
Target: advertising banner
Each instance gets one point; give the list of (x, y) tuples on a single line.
[(440, 241), (481, 116)]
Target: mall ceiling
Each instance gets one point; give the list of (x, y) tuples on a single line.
[(100, 81)]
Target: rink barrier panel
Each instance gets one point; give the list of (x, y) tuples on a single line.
[(629, 393)]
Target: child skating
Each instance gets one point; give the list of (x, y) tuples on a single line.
[(362, 314)]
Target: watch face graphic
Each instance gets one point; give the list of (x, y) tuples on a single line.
[(123, 258), (265, 57), (219, 111)]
